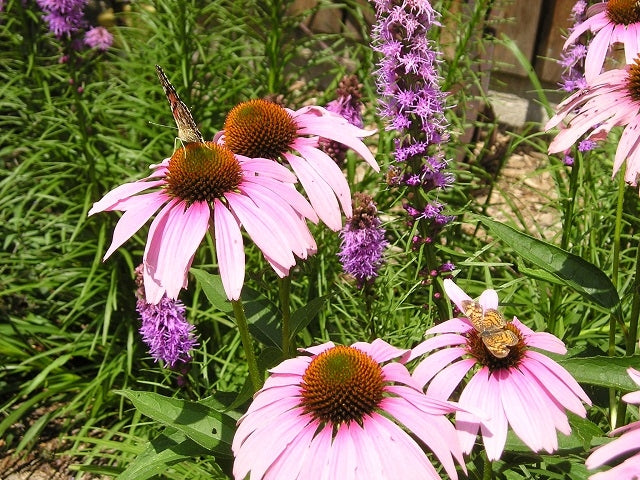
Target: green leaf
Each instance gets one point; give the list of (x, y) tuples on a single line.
[(263, 317), (574, 271), (303, 316), (208, 427), (608, 372), (165, 450), (212, 287)]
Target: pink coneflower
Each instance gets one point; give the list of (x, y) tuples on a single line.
[(342, 412), (612, 99), (259, 128), (515, 385), (628, 443), (205, 186), (615, 21)]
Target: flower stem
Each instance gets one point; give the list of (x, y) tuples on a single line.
[(243, 328), (567, 220), (285, 306), (632, 337)]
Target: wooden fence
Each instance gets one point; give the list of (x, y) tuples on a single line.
[(536, 26)]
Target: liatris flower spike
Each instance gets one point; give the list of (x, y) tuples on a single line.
[(338, 412), (363, 241), (628, 445), (613, 21), (202, 187), (572, 59), (262, 129), (612, 99), (164, 327), (510, 382)]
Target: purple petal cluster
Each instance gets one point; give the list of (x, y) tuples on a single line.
[(98, 37), (363, 241), (412, 102), (572, 58), (64, 17), (348, 105), (165, 330)]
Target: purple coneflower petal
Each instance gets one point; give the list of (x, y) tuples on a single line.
[(229, 250)]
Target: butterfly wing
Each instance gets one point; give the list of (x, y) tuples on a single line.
[(498, 341), (187, 129)]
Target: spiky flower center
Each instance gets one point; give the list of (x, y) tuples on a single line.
[(623, 12), (633, 80), (477, 348), (259, 129), (202, 172), (342, 384)]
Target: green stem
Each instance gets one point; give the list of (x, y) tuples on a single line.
[(288, 343), (614, 279), (632, 337), (243, 328), (567, 220)]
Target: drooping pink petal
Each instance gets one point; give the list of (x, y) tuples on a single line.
[(596, 53), (262, 167), (287, 193), (561, 373), (447, 379), (269, 238), (134, 218), (321, 451), (435, 431), (628, 141), (431, 365), (325, 125), (300, 241), (552, 384), (229, 250), (111, 201), (628, 442), (179, 233), (524, 408), (277, 433), (435, 342), (327, 168), (289, 463), (494, 432), (371, 465), (406, 460), (320, 194)]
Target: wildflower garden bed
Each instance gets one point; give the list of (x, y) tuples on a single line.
[(236, 247)]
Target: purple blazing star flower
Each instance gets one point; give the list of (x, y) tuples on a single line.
[(412, 103), (573, 57), (98, 37), (363, 241), (64, 17), (165, 330)]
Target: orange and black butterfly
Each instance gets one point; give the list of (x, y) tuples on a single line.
[(490, 324), (187, 129)]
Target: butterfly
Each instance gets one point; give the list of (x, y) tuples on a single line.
[(187, 129), (490, 324)]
